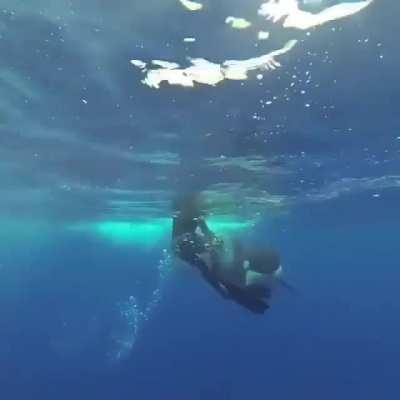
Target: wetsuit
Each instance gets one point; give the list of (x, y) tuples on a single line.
[(196, 244)]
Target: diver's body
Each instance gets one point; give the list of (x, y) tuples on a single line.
[(244, 276)]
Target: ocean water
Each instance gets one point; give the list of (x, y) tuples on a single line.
[(303, 156)]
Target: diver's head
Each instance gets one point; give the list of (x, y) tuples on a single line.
[(264, 261)]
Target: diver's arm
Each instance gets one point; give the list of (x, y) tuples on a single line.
[(250, 300), (205, 230)]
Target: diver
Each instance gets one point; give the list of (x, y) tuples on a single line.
[(244, 275)]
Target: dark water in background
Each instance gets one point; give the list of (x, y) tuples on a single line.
[(62, 292), (336, 338)]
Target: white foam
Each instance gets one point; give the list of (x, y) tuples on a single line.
[(138, 63), (206, 72), (263, 35), (238, 23), (165, 64), (293, 17), (191, 5)]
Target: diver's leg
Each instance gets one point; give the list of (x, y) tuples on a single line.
[(259, 291), (247, 299)]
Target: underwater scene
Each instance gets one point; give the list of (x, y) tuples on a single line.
[(199, 199)]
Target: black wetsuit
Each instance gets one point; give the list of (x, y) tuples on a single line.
[(192, 238)]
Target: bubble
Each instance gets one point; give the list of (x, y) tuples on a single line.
[(132, 315)]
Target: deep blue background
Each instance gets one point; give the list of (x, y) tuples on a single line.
[(336, 338), (60, 160)]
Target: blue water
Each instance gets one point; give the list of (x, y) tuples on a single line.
[(335, 338), (85, 316)]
